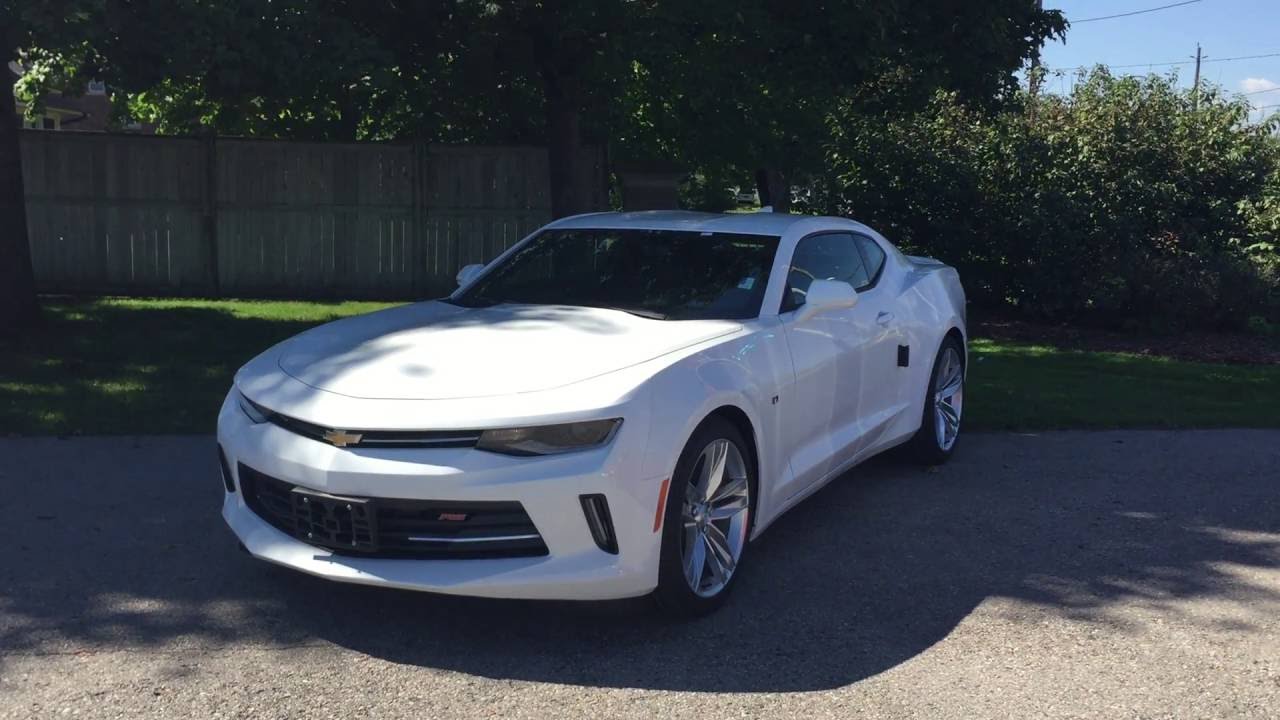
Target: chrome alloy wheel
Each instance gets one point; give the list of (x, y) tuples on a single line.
[(948, 398), (717, 501)]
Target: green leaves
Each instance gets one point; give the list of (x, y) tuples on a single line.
[(1124, 201)]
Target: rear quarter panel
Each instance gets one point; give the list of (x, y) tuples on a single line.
[(932, 303)]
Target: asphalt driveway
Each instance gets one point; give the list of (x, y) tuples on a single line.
[(1128, 574)]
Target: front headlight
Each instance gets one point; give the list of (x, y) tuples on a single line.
[(549, 439), (253, 410)]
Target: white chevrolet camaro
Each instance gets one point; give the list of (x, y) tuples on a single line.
[(612, 408)]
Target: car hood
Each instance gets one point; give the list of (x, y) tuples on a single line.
[(438, 351)]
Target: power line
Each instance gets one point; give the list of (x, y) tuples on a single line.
[(1135, 12), (1259, 92), (1177, 62), (1245, 57), (1137, 65)]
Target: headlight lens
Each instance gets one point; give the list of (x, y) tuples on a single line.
[(253, 410), (549, 439)]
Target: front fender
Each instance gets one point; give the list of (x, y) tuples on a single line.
[(746, 374)]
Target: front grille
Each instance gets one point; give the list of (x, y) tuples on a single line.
[(392, 528)]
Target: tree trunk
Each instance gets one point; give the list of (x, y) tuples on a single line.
[(19, 309), (564, 144), (774, 190), (348, 116)]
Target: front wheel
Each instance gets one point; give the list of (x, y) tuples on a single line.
[(706, 521), (935, 441)]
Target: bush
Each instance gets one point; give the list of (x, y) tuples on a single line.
[(1128, 202)]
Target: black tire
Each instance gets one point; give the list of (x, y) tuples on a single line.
[(674, 595), (925, 448)]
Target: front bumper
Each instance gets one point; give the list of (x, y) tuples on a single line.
[(575, 568)]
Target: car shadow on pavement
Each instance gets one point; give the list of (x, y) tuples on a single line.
[(117, 543)]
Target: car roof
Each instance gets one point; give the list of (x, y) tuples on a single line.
[(757, 223)]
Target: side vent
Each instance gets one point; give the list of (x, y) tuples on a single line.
[(227, 482), (904, 355), (596, 510)]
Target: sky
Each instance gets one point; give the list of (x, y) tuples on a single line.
[(1224, 28)]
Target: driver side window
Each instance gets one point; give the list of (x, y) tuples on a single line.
[(830, 256)]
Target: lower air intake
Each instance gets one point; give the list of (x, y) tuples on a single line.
[(392, 527), (227, 481), (596, 510)]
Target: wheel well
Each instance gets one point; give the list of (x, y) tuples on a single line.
[(740, 421), (964, 348)]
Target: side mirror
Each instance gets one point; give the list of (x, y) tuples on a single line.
[(468, 273), (826, 295)]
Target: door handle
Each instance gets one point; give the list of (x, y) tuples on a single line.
[(884, 318)]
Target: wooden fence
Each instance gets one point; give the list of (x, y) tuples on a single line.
[(143, 215)]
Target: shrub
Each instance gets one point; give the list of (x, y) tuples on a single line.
[(1127, 202)]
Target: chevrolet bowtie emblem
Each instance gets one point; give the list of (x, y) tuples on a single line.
[(342, 438)]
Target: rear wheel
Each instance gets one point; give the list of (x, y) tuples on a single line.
[(943, 406), (707, 520)]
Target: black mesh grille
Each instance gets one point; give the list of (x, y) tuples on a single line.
[(396, 528)]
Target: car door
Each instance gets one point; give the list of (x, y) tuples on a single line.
[(821, 412), (875, 318)]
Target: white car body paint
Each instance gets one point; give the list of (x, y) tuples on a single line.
[(820, 395)]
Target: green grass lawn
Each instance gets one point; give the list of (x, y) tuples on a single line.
[(141, 365), (163, 366), (1031, 387)]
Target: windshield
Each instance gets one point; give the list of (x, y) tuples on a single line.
[(663, 274)]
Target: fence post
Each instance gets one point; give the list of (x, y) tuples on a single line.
[(424, 281), (210, 220)]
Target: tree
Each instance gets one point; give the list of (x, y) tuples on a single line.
[(572, 51), (466, 71), (752, 84), (211, 62), (17, 281), (747, 85), (58, 33), (264, 68)]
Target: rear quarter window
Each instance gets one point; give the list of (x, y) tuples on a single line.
[(873, 255)]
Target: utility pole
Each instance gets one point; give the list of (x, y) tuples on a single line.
[(1195, 90), (1033, 77)]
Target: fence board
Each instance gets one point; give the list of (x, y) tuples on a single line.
[(113, 213), (127, 213)]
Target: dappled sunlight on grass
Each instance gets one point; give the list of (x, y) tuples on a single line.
[(26, 388), (131, 365), (990, 347), (126, 387)]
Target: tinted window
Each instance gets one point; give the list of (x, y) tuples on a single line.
[(665, 274), (832, 256), (873, 254)]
